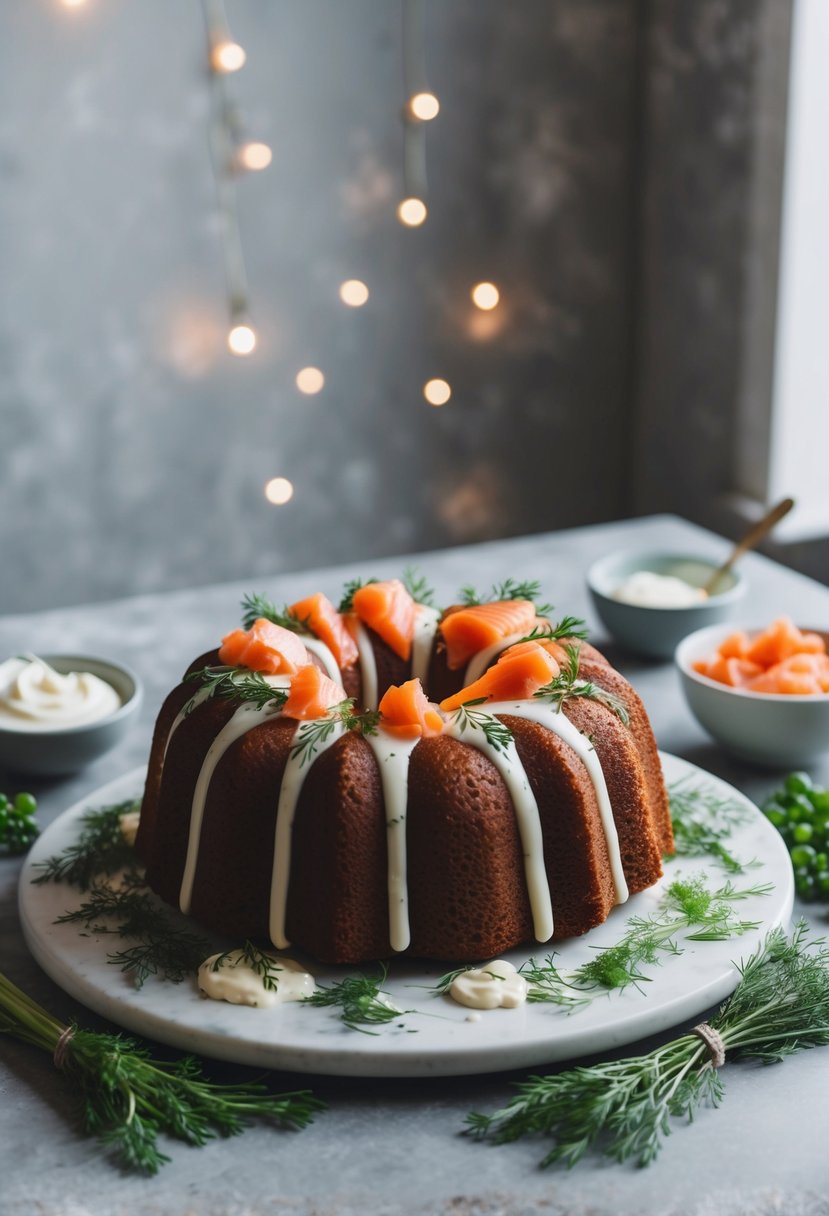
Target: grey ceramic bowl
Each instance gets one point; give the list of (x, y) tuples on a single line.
[(775, 730), (53, 753), (656, 632)]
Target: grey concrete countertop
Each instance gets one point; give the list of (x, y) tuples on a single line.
[(389, 1147)]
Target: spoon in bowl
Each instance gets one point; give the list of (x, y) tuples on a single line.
[(751, 538)]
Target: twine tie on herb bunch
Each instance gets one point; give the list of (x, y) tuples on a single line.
[(62, 1046), (713, 1040)]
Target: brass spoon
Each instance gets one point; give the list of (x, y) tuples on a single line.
[(751, 538)]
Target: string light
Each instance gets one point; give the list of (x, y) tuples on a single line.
[(485, 296), (254, 156), (73, 3), (412, 212), (310, 380), (241, 339), (354, 293), (279, 491), (437, 392), (424, 107), (227, 56)]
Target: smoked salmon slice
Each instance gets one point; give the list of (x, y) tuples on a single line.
[(312, 694), (779, 659), (321, 617), (518, 675), (466, 631), (264, 647), (407, 712), (389, 610)]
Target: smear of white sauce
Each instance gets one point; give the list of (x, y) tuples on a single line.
[(235, 980), (495, 986), (35, 697), (649, 590)]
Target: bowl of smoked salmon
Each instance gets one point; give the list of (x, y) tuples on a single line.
[(761, 693)]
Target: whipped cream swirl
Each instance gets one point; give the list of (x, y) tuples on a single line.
[(33, 696)]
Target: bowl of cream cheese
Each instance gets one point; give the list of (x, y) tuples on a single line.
[(60, 712), (650, 601)]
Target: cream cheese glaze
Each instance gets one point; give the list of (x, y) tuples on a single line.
[(35, 697)]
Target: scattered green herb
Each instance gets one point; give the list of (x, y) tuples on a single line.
[(347, 602), (417, 587), (800, 812), (164, 948), (495, 732), (567, 685), (360, 999), (128, 1099), (624, 1108), (101, 848), (567, 627), (18, 829), (509, 589), (702, 820), (238, 684), (256, 606), (263, 964), (311, 735)]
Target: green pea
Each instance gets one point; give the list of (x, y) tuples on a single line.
[(798, 783), (803, 833), (25, 804), (803, 855), (805, 886), (776, 818)]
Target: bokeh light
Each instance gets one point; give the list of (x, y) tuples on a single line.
[(437, 392), (310, 380), (354, 293), (279, 491), (412, 212)]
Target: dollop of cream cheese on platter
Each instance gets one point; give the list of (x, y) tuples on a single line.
[(495, 986), (235, 980), (35, 697), (649, 590)]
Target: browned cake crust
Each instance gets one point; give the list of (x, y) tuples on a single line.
[(467, 891)]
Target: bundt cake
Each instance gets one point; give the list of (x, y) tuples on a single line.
[(302, 789)]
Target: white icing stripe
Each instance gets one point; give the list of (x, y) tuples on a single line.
[(293, 778), (393, 755), (244, 719), (201, 695), (481, 661), (426, 624), (546, 715), (319, 648), (368, 666), (509, 765)]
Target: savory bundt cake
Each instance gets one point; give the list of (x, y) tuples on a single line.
[(302, 789)]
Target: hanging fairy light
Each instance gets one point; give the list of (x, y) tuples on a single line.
[(310, 381), (226, 56), (354, 293), (485, 296), (253, 156), (437, 391), (241, 339), (279, 490), (421, 107)]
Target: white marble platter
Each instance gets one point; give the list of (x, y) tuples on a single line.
[(434, 1036)]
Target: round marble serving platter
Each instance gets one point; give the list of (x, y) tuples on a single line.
[(435, 1036)]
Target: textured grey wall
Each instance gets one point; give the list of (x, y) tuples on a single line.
[(135, 449)]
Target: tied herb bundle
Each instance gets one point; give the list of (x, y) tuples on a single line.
[(128, 1099), (624, 1108)]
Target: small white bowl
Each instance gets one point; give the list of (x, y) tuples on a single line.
[(657, 631), (775, 730), (64, 750)]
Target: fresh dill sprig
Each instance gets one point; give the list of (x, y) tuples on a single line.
[(509, 589), (495, 732), (624, 1108), (256, 606), (100, 848), (312, 734), (442, 986), (689, 908), (127, 1099), (260, 962), (360, 1000), (346, 604), (239, 684), (417, 587), (163, 948), (567, 627), (702, 820), (567, 685)]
